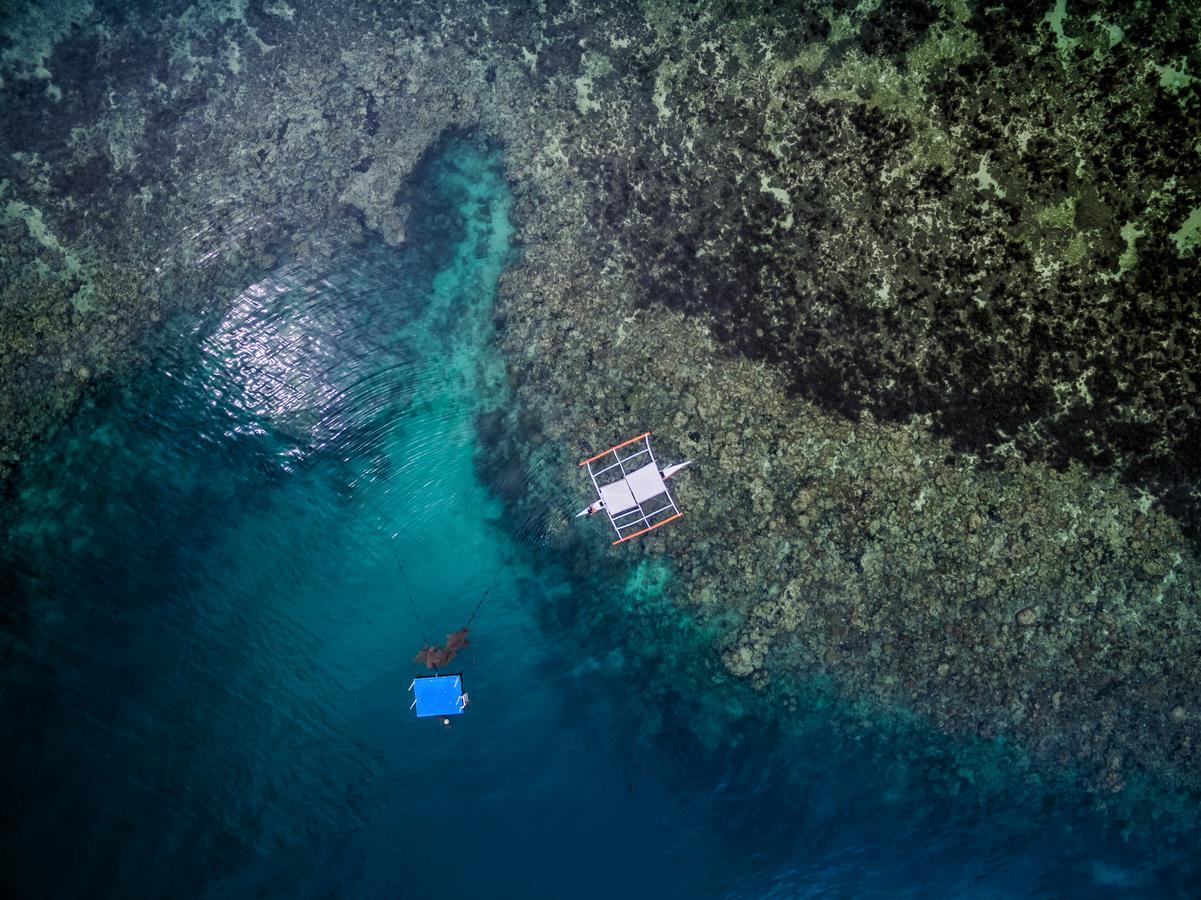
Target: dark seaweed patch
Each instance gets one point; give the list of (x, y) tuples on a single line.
[(371, 114), (895, 28)]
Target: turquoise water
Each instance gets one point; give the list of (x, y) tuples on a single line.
[(222, 571)]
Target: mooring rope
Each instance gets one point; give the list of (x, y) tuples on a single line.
[(484, 596), (417, 617), (422, 630), (376, 509)]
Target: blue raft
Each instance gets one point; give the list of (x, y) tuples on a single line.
[(437, 695)]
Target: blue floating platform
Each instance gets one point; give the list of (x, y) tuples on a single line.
[(437, 695)]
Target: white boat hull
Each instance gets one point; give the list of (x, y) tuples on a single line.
[(666, 473), (671, 470)]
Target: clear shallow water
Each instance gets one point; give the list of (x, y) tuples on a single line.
[(208, 644)]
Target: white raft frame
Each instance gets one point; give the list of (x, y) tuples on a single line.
[(640, 486)]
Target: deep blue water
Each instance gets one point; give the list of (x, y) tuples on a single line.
[(221, 573)]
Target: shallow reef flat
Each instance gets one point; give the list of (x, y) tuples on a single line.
[(915, 285)]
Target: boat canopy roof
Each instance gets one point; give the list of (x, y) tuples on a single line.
[(437, 695), (628, 481)]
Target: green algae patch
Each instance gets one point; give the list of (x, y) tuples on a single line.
[(878, 84), (1173, 79), (782, 197), (32, 219), (1066, 232), (647, 582), (1130, 233), (32, 36), (984, 179), (1055, 18), (1188, 236), (1077, 250), (595, 65), (810, 57), (944, 46), (1059, 216), (68, 268), (845, 25), (956, 11), (1112, 31)]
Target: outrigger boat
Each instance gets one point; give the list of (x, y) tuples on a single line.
[(631, 488)]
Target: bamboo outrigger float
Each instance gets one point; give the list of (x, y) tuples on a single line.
[(631, 488)]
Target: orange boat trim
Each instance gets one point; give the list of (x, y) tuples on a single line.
[(615, 447), (645, 530)]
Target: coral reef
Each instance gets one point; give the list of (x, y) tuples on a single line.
[(916, 286)]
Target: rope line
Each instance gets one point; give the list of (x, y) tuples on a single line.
[(408, 591), (376, 510), (421, 625), (484, 596)]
